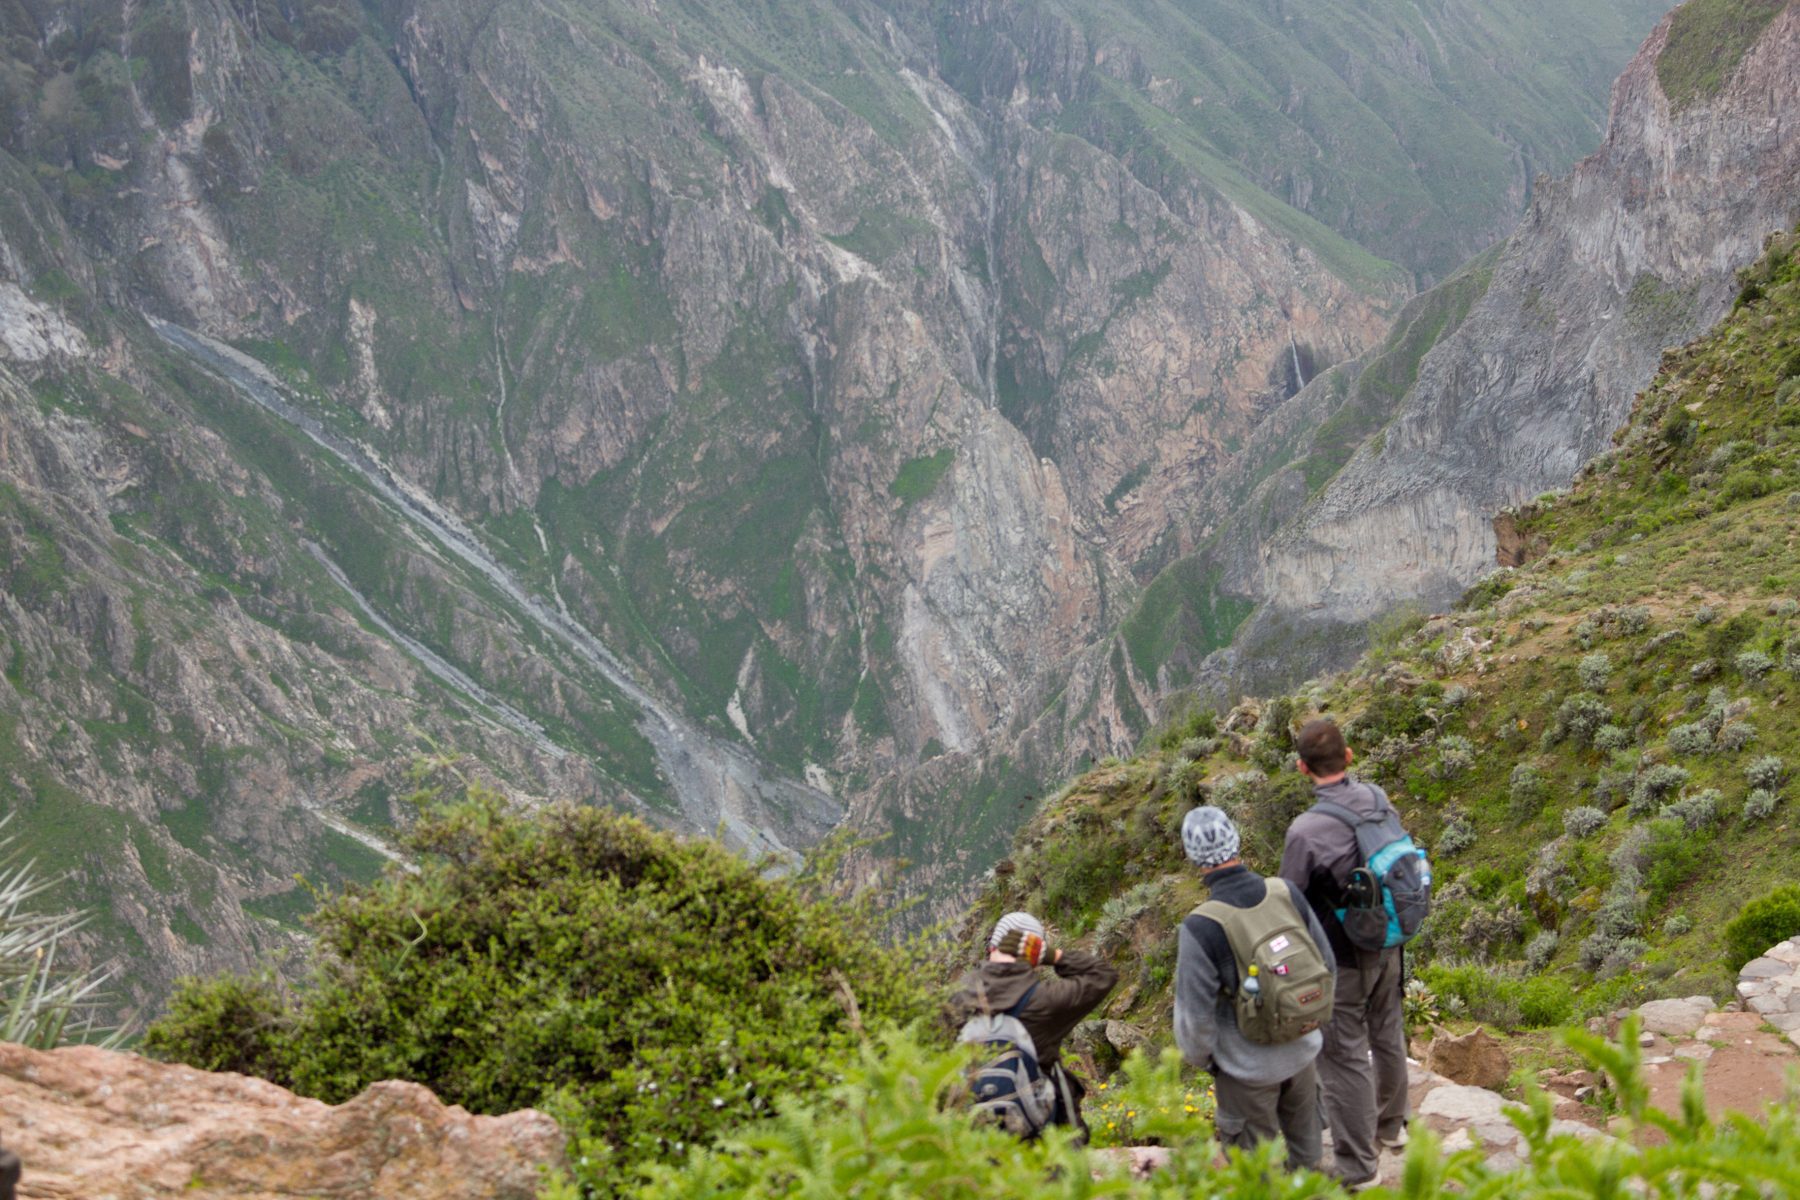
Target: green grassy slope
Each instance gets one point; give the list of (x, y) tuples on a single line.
[(1599, 747)]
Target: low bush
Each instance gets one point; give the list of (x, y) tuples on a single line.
[(1654, 785), (1735, 735), (650, 990), (1694, 812), (1760, 804), (1583, 821), (1458, 835), (1456, 754), (1762, 923), (1595, 670), (1577, 719), (1768, 772), (1611, 738), (1690, 739), (1754, 664)]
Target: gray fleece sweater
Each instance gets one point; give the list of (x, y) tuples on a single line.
[(1206, 988)]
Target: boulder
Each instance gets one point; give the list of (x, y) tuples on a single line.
[(1124, 1036), (1475, 1058), (92, 1122), (1675, 1018)]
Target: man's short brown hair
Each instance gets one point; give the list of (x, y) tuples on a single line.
[(1321, 747)]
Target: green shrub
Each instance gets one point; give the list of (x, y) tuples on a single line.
[(650, 990), (1674, 852), (1525, 788), (1506, 1000), (1762, 923), (1545, 1001)]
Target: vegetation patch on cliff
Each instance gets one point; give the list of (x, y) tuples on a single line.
[(1599, 748)]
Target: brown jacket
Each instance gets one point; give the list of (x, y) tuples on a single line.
[(1080, 982)]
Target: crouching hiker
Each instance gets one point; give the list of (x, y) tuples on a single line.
[(1006, 997), (1253, 984)]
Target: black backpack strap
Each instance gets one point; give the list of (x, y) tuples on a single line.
[(1019, 1005)]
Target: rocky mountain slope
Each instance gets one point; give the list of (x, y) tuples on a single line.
[(1376, 485), (1598, 747), (737, 414)]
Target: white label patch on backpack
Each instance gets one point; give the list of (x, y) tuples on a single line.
[(1279, 944)]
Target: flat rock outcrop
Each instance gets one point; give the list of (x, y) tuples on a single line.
[(95, 1123)]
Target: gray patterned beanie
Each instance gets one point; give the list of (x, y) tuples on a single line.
[(1024, 922), (1208, 836)]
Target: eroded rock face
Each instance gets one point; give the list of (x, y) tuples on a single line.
[(1546, 341), (89, 1122)]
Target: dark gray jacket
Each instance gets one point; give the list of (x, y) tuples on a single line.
[(1206, 979), (1320, 854)]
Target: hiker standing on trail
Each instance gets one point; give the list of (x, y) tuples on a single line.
[(1048, 1006), (1253, 984), (1365, 1101)]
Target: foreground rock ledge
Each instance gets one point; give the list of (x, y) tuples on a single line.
[(100, 1125)]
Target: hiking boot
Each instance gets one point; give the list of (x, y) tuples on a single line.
[(1394, 1141), (1338, 1173)]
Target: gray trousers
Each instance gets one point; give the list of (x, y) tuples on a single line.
[(1364, 1098), (1249, 1113)]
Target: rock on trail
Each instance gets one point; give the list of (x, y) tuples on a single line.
[(94, 1123)]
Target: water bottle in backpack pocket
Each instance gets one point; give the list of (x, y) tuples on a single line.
[(1008, 1089), (1389, 895)]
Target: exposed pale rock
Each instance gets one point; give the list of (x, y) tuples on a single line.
[(1462, 1102), (1676, 1018), (92, 1123), (1124, 1036)]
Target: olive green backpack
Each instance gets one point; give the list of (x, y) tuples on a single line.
[(1290, 991)]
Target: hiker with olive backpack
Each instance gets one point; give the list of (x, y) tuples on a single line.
[(1254, 980), (1370, 888)]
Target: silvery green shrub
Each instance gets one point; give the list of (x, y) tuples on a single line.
[(1735, 735), (1540, 950), (1458, 835), (1754, 664), (1583, 820), (1694, 738), (1760, 804), (1768, 773), (1653, 785), (1610, 738), (1595, 670), (1456, 754), (1695, 812)]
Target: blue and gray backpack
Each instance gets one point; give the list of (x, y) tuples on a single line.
[(1388, 896), (1008, 1089)]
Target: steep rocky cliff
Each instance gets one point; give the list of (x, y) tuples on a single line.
[(737, 413), (1379, 483)]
